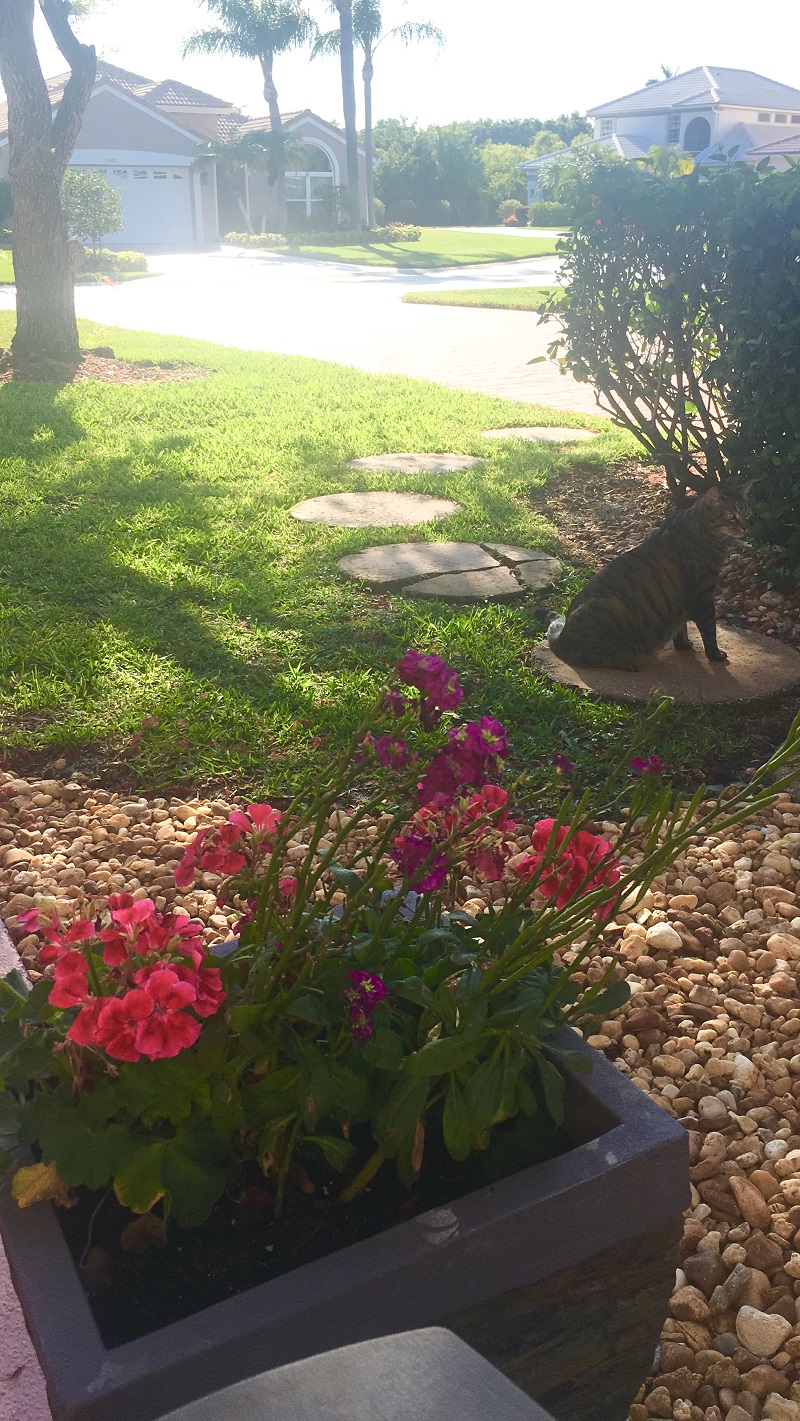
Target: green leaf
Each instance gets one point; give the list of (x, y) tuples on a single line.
[(140, 1183), (349, 880), (192, 1188), (338, 1152), (309, 1008), (438, 1057), (396, 1121), (553, 1088), (456, 1125), (484, 1094), (609, 999)]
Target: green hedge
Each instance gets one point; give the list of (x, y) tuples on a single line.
[(106, 260), (269, 241), (547, 214)]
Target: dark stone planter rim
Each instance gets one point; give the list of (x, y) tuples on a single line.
[(608, 1188)]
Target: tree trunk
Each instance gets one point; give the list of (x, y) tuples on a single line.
[(45, 345), (367, 73), (346, 55), (276, 126)]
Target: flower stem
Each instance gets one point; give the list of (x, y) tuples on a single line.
[(364, 1177)]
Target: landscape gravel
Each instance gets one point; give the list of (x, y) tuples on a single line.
[(711, 1033)]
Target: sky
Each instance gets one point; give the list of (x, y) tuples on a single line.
[(530, 59)]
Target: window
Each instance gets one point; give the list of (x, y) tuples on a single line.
[(607, 126), (140, 172), (309, 189), (120, 172), (765, 118), (179, 176), (159, 175), (674, 128), (796, 118), (697, 135), (781, 118)]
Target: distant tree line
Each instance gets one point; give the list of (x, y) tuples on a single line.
[(463, 172)]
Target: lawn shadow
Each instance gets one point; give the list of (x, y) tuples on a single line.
[(28, 410)]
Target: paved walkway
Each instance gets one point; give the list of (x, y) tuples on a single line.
[(350, 314)]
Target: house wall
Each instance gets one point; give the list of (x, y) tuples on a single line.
[(649, 129), (199, 121), (114, 124)]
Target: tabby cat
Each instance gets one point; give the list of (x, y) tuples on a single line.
[(647, 595)]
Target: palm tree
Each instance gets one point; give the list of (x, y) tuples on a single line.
[(667, 162), (261, 30), (258, 152), (344, 9), (369, 34)]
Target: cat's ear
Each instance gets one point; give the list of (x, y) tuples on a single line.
[(713, 496)]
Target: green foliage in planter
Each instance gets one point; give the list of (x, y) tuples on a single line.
[(266, 241), (547, 214), (359, 1014)]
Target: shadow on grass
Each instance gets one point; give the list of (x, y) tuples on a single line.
[(34, 425)]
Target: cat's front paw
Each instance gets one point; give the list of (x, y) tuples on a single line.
[(717, 655)]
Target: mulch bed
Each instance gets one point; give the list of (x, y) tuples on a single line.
[(129, 372), (601, 512)]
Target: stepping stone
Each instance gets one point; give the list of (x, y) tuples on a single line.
[(416, 463), (456, 572), (542, 433), (373, 510), (757, 667)]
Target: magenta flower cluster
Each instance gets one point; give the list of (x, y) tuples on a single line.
[(366, 990), (438, 684), (470, 760), (653, 765)]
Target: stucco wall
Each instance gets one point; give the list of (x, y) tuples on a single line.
[(111, 122)]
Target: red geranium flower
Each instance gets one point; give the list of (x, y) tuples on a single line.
[(584, 864), (71, 985)]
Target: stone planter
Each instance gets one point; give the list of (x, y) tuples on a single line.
[(559, 1275)]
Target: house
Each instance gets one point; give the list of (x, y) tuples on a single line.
[(707, 112), (147, 138)]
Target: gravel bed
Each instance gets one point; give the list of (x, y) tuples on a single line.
[(712, 1033)]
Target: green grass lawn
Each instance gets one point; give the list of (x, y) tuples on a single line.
[(163, 620), (495, 298), (436, 248), (6, 267)]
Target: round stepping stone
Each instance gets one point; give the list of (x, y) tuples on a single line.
[(456, 572), (542, 433), (373, 510), (416, 463), (757, 667)]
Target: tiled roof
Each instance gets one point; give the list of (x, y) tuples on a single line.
[(264, 124), (627, 148), (171, 93), (702, 88), (789, 145)]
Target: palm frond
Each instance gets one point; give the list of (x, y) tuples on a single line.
[(326, 42), (415, 31)]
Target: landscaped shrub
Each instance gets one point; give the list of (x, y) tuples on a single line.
[(265, 241), (119, 262), (547, 214), (761, 351), (92, 207), (359, 1019), (397, 232), (380, 211), (681, 307), (513, 208)]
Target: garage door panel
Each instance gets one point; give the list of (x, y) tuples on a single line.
[(156, 202)]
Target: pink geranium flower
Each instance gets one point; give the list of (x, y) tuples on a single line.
[(585, 864)]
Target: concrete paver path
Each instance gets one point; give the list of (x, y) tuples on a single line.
[(350, 314)]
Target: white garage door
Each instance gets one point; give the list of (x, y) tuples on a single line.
[(157, 203)]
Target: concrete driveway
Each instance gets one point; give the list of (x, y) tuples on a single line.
[(350, 314)]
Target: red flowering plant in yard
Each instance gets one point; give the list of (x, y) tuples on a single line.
[(361, 1015)]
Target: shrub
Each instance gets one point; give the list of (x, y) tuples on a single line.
[(680, 306), (380, 211), (547, 214), (358, 1019), (512, 208), (92, 207), (397, 232), (106, 260), (265, 241), (761, 354), (404, 210)]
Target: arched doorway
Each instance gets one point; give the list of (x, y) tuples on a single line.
[(697, 136)]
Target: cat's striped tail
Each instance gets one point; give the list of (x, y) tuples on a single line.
[(554, 631)]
